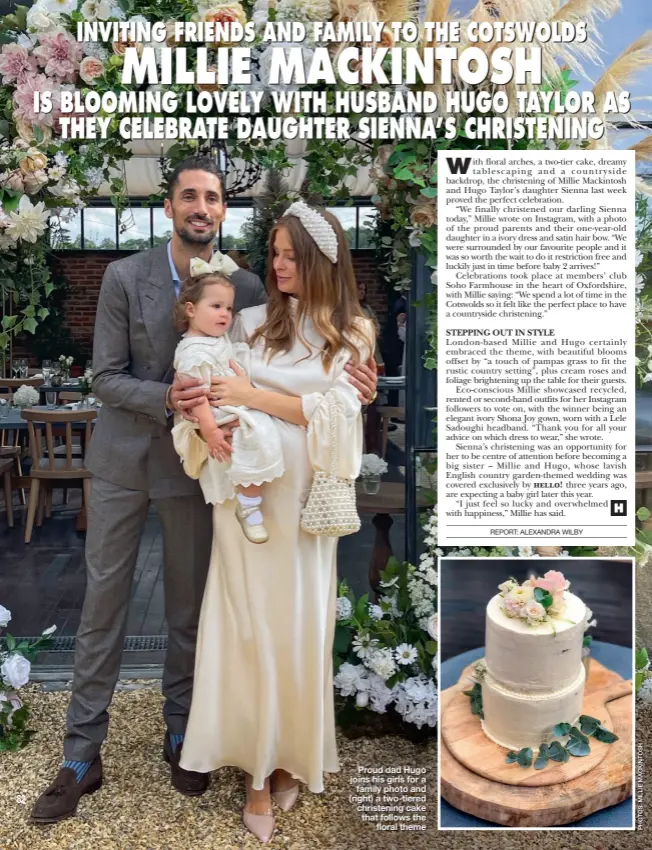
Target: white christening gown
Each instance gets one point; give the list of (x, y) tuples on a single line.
[(263, 689), (257, 456)]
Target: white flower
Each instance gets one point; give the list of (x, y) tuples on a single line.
[(381, 661), (376, 612), (435, 663), (94, 177), (26, 40), (507, 586), (362, 699), (96, 10), (535, 612), (348, 678), (525, 551), (406, 653), (645, 691), (389, 583), (26, 396), (5, 616), (60, 7), (372, 465), (49, 631), (390, 605), (56, 173), (433, 626), (42, 20), (29, 222), (61, 159), (304, 10), (343, 608), (95, 49), (379, 694), (116, 12), (15, 670), (364, 645)]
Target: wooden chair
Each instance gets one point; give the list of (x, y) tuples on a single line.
[(66, 397), (5, 472), (50, 469)]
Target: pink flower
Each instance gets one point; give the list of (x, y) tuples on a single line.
[(24, 100), (552, 581), (16, 64), (12, 180), (535, 611), (60, 54), (90, 69)]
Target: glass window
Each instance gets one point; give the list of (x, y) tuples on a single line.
[(347, 219), (99, 228), (65, 233), (234, 232), (162, 226), (134, 231), (368, 224)]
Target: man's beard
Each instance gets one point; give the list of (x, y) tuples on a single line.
[(195, 238)]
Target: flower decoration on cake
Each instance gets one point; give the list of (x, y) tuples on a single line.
[(537, 600)]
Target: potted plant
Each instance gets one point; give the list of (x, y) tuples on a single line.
[(371, 470)]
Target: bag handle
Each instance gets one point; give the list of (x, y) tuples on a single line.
[(333, 409)]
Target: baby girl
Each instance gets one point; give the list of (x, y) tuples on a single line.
[(205, 312)]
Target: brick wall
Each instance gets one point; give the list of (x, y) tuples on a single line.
[(84, 271)]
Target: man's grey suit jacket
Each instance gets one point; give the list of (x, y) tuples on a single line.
[(133, 350)]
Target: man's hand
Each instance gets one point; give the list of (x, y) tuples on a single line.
[(186, 393), (218, 446), (365, 379)]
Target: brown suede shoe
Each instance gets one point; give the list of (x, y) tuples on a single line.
[(60, 800), (187, 782)]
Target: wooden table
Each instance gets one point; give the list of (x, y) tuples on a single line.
[(390, 499)]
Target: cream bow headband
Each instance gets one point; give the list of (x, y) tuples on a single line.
[(219, 264), (317, 228)]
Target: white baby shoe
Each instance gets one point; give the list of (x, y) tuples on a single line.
[(256, 533)]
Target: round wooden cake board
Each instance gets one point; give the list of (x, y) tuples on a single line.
[(476, 779)]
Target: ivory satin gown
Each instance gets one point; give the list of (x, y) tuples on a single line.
[(263, 689)]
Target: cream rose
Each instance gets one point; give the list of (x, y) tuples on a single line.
[(12, 180), (424, 215), (119, 47), (209, 86), (91, 69), (33, 161), (433, 626), (35, 181), (226, 13), (26, 131)]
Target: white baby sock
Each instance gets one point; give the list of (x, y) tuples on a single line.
[(255, 518)]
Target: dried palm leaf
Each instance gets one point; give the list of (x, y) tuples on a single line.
[(437, 10), (643, 149), (586, 10), (398, 10), (624, 69)]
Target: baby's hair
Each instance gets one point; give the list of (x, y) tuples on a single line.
[(192, 289)]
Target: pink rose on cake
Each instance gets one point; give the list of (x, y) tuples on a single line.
[(516, 601), (553, 581), (535, 612)]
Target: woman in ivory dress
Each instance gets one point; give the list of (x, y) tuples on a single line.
[(263, 691)]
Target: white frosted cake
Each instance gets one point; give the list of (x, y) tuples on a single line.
[(534, 676)]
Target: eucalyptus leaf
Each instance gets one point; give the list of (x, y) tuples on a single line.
[(578, 747), (524, 757), (604, 735), (577, 735), (541, 760), (588, 724), (641, 658), (561, 730), (511, 757), (556, 751)]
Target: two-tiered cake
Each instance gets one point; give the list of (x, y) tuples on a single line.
[(534, 676)]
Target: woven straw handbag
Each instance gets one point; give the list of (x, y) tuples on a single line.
[(330, 510)]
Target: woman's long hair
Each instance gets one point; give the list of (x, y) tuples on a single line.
[(329, 297)]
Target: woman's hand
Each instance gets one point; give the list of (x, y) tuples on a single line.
[(236, 391), (365, 379)]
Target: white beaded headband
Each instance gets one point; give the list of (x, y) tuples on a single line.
[(317, 227)]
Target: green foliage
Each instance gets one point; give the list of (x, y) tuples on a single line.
[(475, 695), (577, 744)]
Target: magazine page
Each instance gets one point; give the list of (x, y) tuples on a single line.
[(324, 423)]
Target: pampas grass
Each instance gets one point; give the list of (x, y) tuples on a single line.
[(643, 149)]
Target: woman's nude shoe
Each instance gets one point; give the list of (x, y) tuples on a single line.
[(253, 533), (285, 800), (262, 826)]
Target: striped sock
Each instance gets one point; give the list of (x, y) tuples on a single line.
[(80, 767), (176, 741)]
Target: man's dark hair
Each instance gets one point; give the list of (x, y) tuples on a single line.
[(194, 163)]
